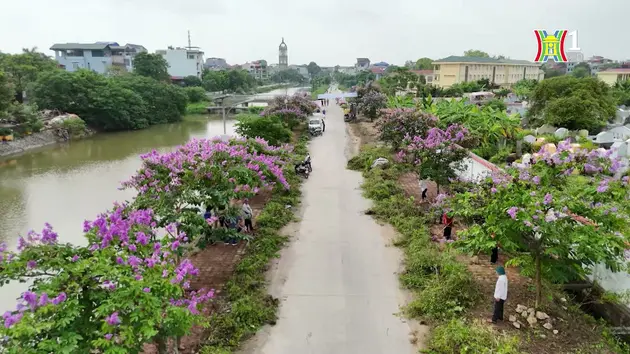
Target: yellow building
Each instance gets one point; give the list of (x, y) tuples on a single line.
[(503, 72), (611, 76)]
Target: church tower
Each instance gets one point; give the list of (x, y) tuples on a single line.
[(283, 61)]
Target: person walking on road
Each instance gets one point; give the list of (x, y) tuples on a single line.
[(324, 112), (500, 295)]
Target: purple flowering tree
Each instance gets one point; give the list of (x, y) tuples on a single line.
[(557, 217), (179, 185), (291, 110), (395, 124), (435, 155), (123, 289), (371, 103)]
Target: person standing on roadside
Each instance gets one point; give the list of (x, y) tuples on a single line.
[(324, 112), (248, 214), (500, 295)]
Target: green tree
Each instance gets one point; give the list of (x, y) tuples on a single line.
[(151, 65), (22, 69), (103, 103), (580, 72), (621, 92), (166, 103), (476, 53), (424, 64), (7, 93), (192, 80), (597, 109), (196, 94), (550, 73), (523, 88), (214, 80), (268, 127), (556, 217), (313, 69), (288, 75)]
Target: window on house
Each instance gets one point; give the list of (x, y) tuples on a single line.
[(75, 53), (75, 65), (98, 53), (191, 56)]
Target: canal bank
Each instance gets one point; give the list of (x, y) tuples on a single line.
[(67, 183)]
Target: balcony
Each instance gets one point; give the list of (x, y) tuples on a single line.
[(118, 60)]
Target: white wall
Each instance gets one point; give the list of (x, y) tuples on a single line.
[(180, 65)]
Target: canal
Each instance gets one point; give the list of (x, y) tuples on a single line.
[(68, 183)]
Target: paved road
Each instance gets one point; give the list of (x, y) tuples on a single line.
[(337, 284)]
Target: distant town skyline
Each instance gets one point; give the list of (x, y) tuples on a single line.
[(329, 34)]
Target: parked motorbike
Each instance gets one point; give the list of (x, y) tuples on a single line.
[(315, 132), (307, 163), (302, 169)]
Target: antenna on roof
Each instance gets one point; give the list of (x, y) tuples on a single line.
[(189, 45)]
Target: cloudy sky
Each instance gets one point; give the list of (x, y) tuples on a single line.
[(328, 32)]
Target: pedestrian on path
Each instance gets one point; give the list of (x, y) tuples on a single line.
[(423, 189), (248, 214), (500, 295)]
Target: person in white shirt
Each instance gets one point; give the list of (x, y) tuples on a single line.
[(500, 295), (423, 188)]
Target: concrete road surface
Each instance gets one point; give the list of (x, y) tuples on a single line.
[(336, 282)]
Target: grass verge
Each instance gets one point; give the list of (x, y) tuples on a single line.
[(246, 306), (446, 293), (443, 288)]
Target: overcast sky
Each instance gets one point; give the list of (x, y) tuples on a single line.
[(328, 32)]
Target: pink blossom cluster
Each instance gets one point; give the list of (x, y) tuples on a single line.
[(437, 138), (197, 156), (131, 234)]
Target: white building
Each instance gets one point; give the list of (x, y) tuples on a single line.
[(183, 61), (98, 57)]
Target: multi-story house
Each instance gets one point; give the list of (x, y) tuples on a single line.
[(362, 64), (596, 61), (183, 62), (257, 69), (428, 75), (503, 72), (98, 57), (216, 64)]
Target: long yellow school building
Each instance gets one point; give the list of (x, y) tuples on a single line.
[(503, 72), (612, 76)]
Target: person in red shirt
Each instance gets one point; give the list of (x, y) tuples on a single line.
[(448, 225)]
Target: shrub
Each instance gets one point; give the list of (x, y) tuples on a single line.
[(269, 128), (255, 109), (366, 157), (197, 108), (75, 126), (196, 94), (5, 131), (461, 337)]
